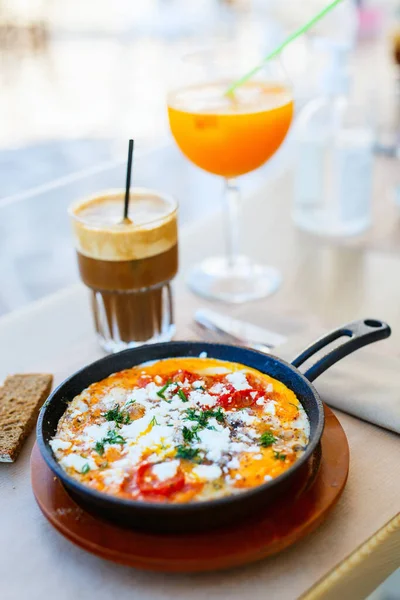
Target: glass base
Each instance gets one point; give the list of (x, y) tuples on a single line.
[(215, 279), (112, 346), (127, 319), (321, 223)]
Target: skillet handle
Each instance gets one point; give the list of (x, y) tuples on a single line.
[(359, 334)]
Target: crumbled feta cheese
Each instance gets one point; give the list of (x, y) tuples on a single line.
[(246, 418), (138, 395), (241, 416), (257, 456), (213, 423), (77, 462), (203, 355), (197, 384), (218, 388), (75, 413), (113, 396), (152, 389), (252, 449), (178, 403), (208, 472), (270, 388), (243, 437), (269, 408), (80, 407), (238, 476), (190, 424), (252, 434), (267, 478), (215, 442), (157, 436), (238, 380), (134, 429), (202, 399), (165, 470), (113, 477), (260, 402), (302, 421), (234, 463), (57, 444), (237, 447), (96, 433)]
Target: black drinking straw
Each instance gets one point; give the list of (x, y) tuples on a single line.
[(128, 179)]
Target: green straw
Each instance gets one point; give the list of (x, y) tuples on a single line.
[(279, 49)]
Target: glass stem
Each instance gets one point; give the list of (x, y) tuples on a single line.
[(232, 199)]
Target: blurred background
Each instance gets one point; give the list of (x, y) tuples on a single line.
[(78, 79)]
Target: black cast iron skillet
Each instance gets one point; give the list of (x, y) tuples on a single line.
[(213, 513)]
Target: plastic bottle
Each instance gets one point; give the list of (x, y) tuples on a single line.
[(333, 181)]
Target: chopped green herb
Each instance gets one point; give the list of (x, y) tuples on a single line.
[(114, 415), (219, 415), (160, 392), (153, 421), (85, 469), (202, 416), (182, 396), (99, 448), (117, 415), (191, 414), (186, 453), (279, 456), (190, 434), (267, 439), (112, 437)]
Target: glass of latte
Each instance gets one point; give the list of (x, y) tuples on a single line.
[(128, 265)]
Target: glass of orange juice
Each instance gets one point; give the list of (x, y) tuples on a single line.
[(230, 135)]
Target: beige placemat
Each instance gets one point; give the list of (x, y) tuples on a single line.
[(35, 561), (365, 384)]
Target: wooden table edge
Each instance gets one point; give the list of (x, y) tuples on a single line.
[(358, 575)]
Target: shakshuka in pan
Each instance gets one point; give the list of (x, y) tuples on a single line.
[(181, 430)]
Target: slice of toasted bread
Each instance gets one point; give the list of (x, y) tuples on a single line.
[(21, 397)]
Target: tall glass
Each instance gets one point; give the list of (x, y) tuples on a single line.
[(128, 267), (230, 136)]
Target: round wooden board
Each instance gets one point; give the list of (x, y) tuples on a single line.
[(282, 525)]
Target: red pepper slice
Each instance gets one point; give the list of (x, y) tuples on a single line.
[(239, 398), (144, 380), (149, 484), (183, 375)]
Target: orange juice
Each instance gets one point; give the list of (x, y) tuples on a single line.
[(230, 136)]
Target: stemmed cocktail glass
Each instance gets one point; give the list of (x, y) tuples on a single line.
[(230, 135)]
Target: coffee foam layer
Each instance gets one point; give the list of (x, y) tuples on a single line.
[(100, 234)]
